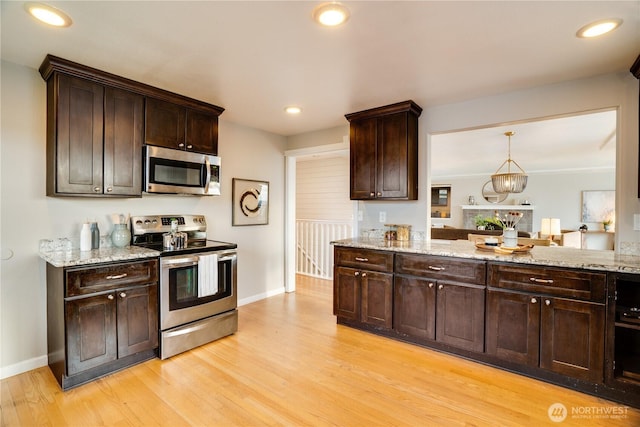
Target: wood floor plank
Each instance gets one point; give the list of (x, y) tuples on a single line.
[(290, 364)]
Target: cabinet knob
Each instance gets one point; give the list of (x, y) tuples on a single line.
[(364, 274), (379, 194), (110, 296), (440, 286), (372, 194), (431, 285), (109, 189), (189, 146), (181, 144), (533, 300), (123, 295), (96, 189), (547, 302), (357, 273)]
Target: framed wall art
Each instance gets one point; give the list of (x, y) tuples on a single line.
[(250, 202), (598, 206)]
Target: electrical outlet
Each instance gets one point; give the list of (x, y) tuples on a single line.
[(382, 217), (636, 222)]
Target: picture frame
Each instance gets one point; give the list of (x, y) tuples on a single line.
[(250, 200), (598, 206)]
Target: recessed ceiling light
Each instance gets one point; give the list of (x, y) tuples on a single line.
[(330, 14), (292, 109), (48, 15), (599, 28)]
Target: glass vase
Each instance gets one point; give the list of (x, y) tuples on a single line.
[(121, 236)]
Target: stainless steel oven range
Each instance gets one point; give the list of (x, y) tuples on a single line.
[(198, 289)]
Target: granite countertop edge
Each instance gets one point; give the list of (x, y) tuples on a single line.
[(554, 256), (75, 258)]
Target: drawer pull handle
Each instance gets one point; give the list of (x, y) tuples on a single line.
[(110, 297), (440, 286), (431, 285), (434, 268), (364, 274), (362, 259), (357, 273), (547, 302), (117, 276), (123, 295), (533, 300), (536, 280)]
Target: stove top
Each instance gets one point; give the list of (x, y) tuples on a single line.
[(192, 247), (147, 231)]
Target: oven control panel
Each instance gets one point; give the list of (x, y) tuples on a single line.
[(162, 223)]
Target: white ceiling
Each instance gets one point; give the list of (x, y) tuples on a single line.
[(253, 58), (584, 142)]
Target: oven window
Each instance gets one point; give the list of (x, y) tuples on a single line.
[(173, 172), (183, 286)]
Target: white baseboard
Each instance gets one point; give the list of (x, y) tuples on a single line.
[(258, 297), (24, 366)]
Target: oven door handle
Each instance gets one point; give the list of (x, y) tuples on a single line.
[(180, 262), (208, 178)]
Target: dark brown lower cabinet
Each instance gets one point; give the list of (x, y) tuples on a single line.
[(100, 319), (460, 315), (364, 296), (561, 335), (448, 312), (414, 305)]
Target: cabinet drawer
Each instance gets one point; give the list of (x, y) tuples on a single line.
[(82, 281), (549, 281), (439, 268), (364, 259)]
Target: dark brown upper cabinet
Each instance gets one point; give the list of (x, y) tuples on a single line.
[(635, 70), (384, 152), (174, 126), (96, 129)]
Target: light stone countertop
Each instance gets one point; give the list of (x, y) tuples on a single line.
[(74, 257), (555, 256)]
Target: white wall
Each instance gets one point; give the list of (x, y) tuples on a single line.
[(550, 199), (27, 215), (617, 90)]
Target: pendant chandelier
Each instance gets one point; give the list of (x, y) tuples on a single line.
[(509, 182)]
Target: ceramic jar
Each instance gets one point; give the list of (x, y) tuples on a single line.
[(121, 236)]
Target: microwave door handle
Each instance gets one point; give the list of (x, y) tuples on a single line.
[(208, 177)]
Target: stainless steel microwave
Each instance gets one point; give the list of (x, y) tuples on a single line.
[(172, 171)]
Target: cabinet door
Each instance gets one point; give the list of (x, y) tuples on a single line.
[(513, 326), (362, 135), (414, 307), (164, 124), (137, 319), (91, 332), (202, 132), (346, 297), (377, 298), (78, 138), (123, 136), (393, 155), (460, 315), (572, 338)]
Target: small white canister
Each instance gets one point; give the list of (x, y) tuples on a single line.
[(510, 238)]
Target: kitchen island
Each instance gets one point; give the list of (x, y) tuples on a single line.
[(562, 315)]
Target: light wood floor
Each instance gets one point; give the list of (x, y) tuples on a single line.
[(290, 364)]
